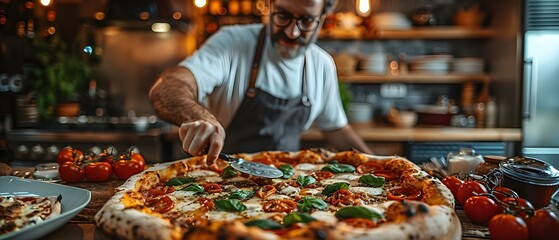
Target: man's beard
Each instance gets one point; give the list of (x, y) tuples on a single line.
[(297, 48)]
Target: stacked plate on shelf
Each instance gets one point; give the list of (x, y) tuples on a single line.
[(431, 64), (468, 65), (374, 63), (391, 21)]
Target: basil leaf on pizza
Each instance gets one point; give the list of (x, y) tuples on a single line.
[(305, 180), (332, 188), (194, 187), (230, 205), (297, 218), (176, 181), (287, 170), (339, 168), (264, 224), (357, 212), (307, 203), (241, 194), (229, 172), (371, 180)]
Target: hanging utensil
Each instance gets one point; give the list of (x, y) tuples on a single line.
[(251, 168)]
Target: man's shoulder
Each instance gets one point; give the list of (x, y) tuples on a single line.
[(241, 31)]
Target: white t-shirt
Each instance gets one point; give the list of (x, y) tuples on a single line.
[(222, 67)]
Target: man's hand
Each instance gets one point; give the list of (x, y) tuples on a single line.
[(198, 135)]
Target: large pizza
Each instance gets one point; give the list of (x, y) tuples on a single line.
[(321, 195)]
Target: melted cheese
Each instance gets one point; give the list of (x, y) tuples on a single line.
[(324, 216), (332, 181), (347, 176), (202, 173), (368, 190)]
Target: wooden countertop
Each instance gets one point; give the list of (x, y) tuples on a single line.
[(371, 132), (82, 226)]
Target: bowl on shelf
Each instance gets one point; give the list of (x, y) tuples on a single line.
[(402, 119), (359, 112)]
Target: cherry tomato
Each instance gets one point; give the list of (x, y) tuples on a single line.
[(369, 167), (508, 227), (452, 183), (69, 154), (403, 193), (517, 205), (133, 156), (543, 225), (503, 192), (387, 174), (126, 168), (468, 189), (480, 209), (98, 171), (70, 172)]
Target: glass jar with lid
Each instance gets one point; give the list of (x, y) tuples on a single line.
[(464, 160)]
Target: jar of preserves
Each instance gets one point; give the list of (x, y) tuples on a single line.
[(489, 163)]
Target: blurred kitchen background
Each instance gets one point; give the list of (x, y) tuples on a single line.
[(420, 78)]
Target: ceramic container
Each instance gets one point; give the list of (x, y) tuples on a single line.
[(533, 179)]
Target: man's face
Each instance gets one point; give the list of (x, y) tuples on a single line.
[(290, 40)]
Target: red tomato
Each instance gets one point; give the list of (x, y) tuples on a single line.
[(503, 192), (369, 167), (98, 171), (517, 205), (543, 225), (126, 168), (403, 193), (452, 183), (133, 156), (508, 227), (139, 158), (387, 174), (480, 209), (69, 154), (468, 189), (70, 172)]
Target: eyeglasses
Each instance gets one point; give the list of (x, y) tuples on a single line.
[(305, 24)]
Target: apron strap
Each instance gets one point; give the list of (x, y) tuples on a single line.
[(251, 91)]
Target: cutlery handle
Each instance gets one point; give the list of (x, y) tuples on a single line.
[(227, 158)]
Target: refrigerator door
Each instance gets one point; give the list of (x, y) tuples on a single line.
[(541, 101)]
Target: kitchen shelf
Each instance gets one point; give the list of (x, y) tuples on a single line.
[(414, 33), (371, 132), (451, 78)]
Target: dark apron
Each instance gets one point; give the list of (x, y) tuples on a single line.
[(264, 122)]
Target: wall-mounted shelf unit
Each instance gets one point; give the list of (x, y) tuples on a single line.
[(414, 33), (364, 77)]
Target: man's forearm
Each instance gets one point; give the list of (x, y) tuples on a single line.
[(174, 97), (346, 138)]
